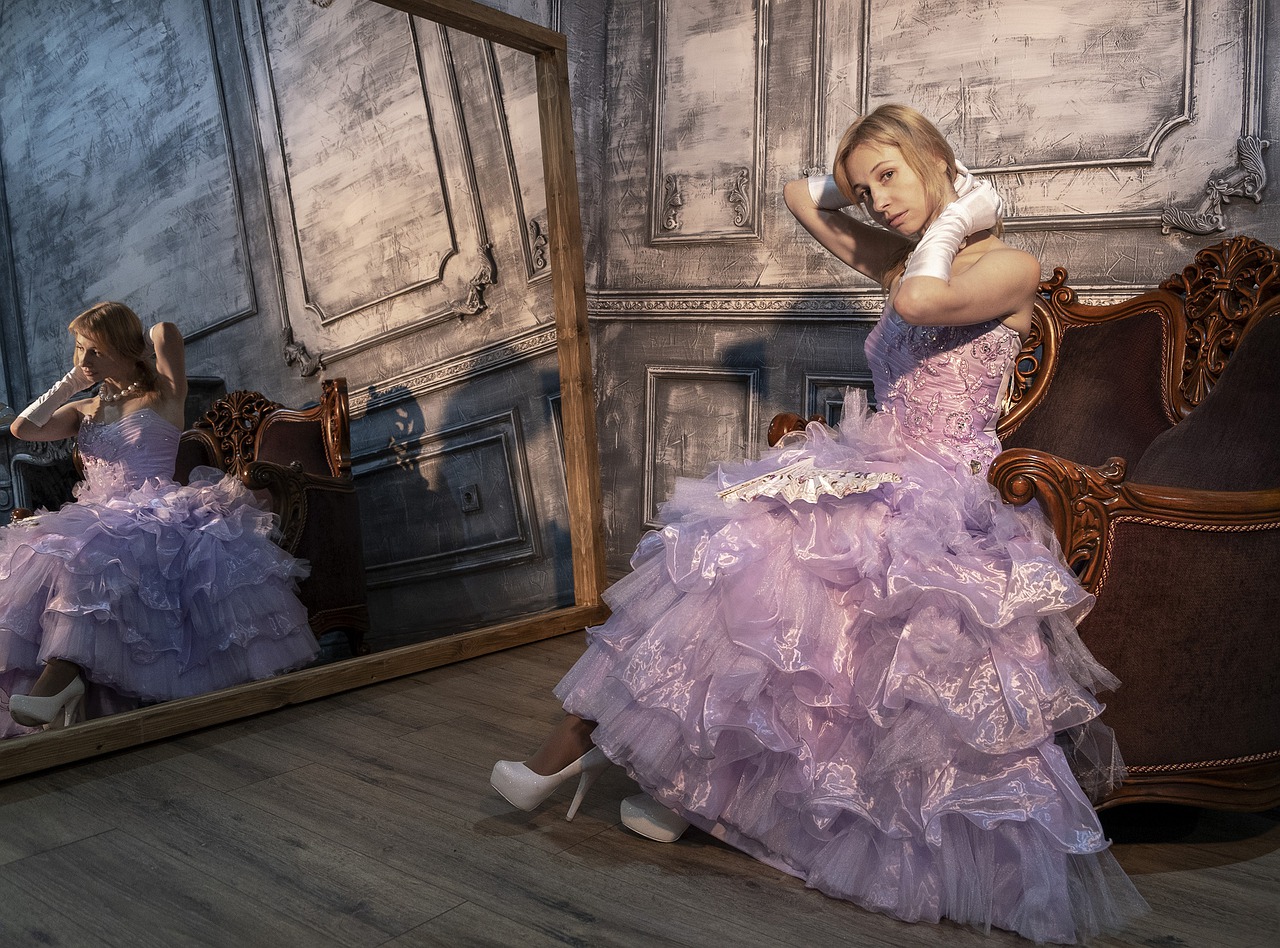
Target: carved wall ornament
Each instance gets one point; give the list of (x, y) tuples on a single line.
[(672, 201), (1247, 179), (295, 353), (1222, 289), (485, 277), (739, 197), (538, 243)]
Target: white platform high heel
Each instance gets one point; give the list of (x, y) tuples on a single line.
[(644, 815), (40, 712), (524, 789)]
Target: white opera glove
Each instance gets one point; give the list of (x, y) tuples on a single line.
[(826, 196), (41, 410), (978, 208)]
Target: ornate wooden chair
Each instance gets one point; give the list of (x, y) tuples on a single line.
[(1149, 431), (303, 459)]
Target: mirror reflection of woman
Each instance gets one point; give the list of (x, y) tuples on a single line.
[(141, 590), (864, 670)]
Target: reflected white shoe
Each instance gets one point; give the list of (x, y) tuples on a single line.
[(643, 814), (524, 789), (40, 712)]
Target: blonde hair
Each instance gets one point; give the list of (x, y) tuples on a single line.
[(117, 328), (922, 146)]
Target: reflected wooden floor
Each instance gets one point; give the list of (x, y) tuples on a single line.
[(366, 819)]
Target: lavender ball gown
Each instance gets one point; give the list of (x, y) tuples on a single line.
[(881, 693), (156, 590)]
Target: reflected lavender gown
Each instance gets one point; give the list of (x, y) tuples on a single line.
[(878, 693), (156, 590)]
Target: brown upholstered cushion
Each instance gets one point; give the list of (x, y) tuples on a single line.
[(1186, 621), (293, 442), (1231, 441), (1105, 399)]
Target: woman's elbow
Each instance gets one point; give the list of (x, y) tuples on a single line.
[(165, 334), (795, 194), (22, 429), (914, 302)]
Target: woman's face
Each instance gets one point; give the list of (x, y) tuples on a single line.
[(889, 189), (98, 362)]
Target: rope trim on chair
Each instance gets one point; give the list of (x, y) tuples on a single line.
[(1203, 764), (1118, 519)]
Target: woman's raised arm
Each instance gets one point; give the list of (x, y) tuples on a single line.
[(868, 249), (171, 361)]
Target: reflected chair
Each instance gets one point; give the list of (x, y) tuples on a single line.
[(302, 458)]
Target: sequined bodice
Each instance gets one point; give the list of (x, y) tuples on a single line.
[(130, 450), (943, 384)]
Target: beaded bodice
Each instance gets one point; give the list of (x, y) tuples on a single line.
[(944, 385), (128, 451)]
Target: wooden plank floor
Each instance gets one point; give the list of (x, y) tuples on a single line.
[(366, 819)]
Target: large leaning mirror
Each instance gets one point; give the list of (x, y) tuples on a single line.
[(382, 192)]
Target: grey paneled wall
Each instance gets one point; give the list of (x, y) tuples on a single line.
[(330, 188), (1123, 138)]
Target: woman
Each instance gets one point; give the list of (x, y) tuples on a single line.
[(850, 659), (141, 590)]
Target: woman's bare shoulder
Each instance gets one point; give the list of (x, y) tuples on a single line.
[(992, 256)]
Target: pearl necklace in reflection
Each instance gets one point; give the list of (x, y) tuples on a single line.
[(131, 389)]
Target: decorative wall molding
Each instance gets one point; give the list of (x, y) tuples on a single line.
[(423, 379), (738, 194), (672, 201), (817, 304), (708, 141), (1032, 25), (1187, 46), (328, 195), (798, 304), (431, 261), (824, 394), (296, 354), (516, 116), (537, 246), (1247, 179), (470, 483), (120, 183), (485, 277), (694, 416)]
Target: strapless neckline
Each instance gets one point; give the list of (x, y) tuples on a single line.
[(89, 419)]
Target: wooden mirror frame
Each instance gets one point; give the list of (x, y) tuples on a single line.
[(582, 464)]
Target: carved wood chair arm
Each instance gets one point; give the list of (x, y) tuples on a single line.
[(1085, 503), (289, 491), (786, 422)]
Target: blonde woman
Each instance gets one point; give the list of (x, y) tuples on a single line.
[(849, 659), (142, 589)]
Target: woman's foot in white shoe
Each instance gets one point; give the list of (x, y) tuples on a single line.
[(644, 815)]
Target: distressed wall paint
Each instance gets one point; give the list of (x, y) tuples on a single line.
[(118, 177), (1098, 121), (770, 306)]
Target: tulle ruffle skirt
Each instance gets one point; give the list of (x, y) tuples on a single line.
[(882, 693), (158, 591)]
